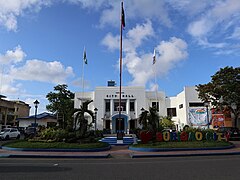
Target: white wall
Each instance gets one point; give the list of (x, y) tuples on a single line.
[(42, 122), (143, 99)]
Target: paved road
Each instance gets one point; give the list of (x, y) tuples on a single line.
[(180, 168)]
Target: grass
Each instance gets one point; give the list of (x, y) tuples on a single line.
[(54, 145), (187, 144)]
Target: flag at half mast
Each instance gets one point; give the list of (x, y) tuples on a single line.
[(85, 56), (154, 56)]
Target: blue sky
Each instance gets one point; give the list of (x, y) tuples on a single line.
[(42, 42)]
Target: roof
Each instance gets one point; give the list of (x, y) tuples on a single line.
[(2, 96), (38, 116)]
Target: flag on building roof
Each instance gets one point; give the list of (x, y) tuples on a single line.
[(123, 17), (154, 56), (85, 56)]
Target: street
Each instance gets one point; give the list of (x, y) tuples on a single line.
[(209, 167)]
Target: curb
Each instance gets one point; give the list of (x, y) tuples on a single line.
[(178, 149), (57, 150), (53, 156), (182, 155)]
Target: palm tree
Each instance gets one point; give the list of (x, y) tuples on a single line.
[(153, 119), (143, 120), (80, 119), (149, 119)]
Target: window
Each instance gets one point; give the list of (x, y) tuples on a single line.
[(116, 106), (156, 104), (196, 104), (180, 106), (132, 106), (107, 106), (171, 112), (107, 124), (13, 130)]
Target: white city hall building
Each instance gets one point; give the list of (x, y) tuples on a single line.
[(133, 100)]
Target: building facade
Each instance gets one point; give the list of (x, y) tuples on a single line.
[(10, 110), (43, 119), (134, 99)]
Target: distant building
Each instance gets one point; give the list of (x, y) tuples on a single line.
[(10, 110), (43, 119), (106, 100)]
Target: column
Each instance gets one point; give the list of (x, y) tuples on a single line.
[(111, 107), (128, 107)]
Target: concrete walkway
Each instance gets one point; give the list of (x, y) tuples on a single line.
[(118, 152)]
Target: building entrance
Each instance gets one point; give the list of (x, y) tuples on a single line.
[(120, 124)]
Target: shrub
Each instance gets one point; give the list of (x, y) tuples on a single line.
[(53, 134)]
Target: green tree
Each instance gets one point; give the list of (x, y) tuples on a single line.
[(62, 104), (80, 118), (223, 91), (167, 122), (149, 119)]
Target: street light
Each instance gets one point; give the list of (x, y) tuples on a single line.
[(36, 103), (206, 104), (95, 110)]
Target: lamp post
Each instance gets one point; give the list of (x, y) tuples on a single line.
[(35, 120), (36, 103), (95, 111), (206, 104)]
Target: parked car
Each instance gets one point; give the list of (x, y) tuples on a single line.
[(9, 133), (21, 129), (29, 132), (233, 132)]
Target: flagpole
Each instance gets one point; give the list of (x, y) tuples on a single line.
[(156, 89), (155, 74), (83, 75), (1, 79), (120, 64)]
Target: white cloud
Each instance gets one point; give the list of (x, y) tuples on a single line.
[(211, 28), (10, 10), (31, 70), (204, 42), (153, 87), (200, 28), (135, 9), (37, 70), (110, 12), (12, 56), (236, 33), (139, 66), (170, 53), (88, 3), (134, 37), (190, 7), (111, 41), (8, 86)]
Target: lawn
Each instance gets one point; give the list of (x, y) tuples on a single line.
[(187, 144), (54, 145)]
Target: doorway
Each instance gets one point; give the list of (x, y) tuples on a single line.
[(120, 124)]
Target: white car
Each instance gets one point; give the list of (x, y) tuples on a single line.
[(9, 133)]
